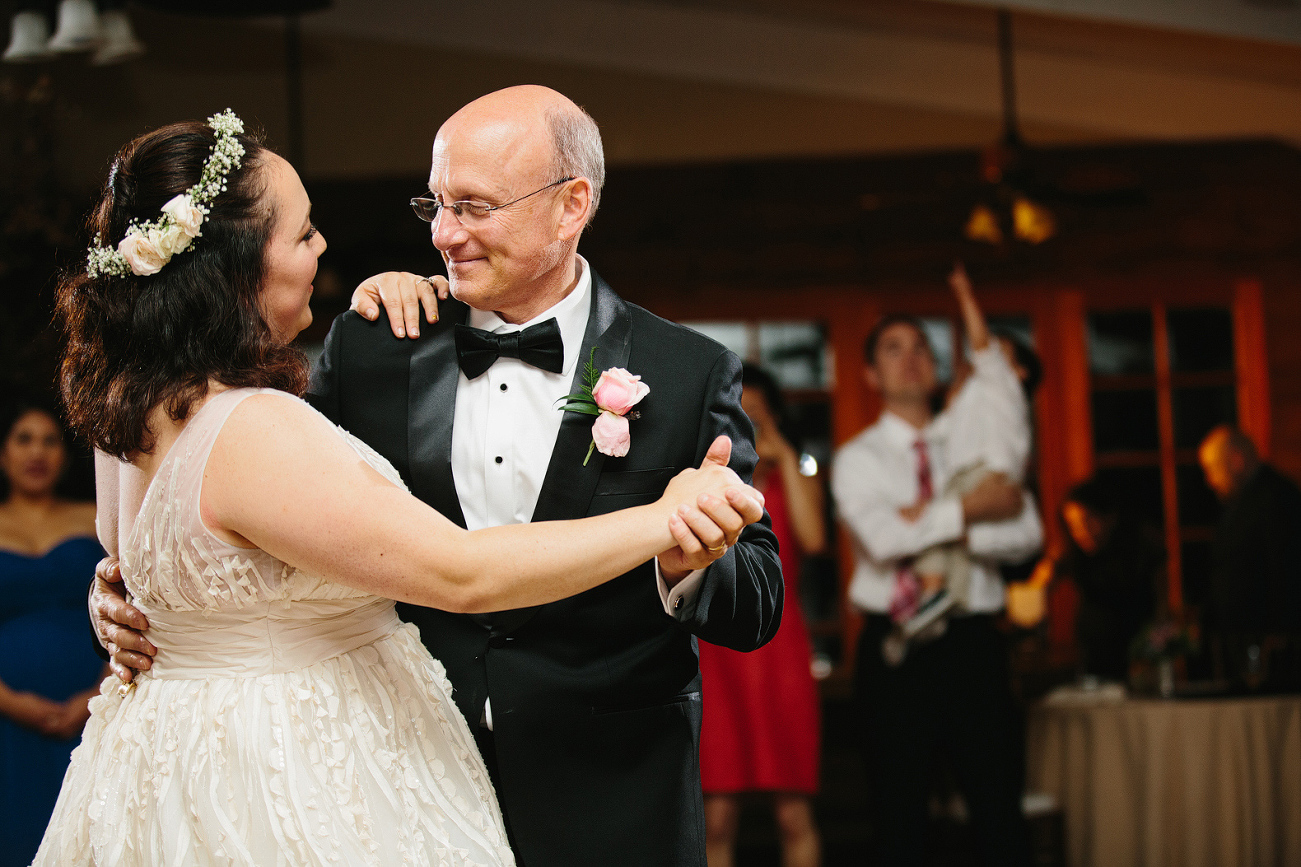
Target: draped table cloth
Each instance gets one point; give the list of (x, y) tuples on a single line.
[(1184, 783)]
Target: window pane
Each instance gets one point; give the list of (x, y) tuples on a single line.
[(1197, 410), (734, 335), (811, 422), (1197, 504), (1120, 342), (1017, 326), (1124, 421), (1201, 339), (940, 334), (794, 353), (1140, 487)]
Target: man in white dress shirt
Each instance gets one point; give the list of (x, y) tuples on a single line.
[(949, 697)]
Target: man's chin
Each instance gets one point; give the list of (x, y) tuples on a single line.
[(471, 294)]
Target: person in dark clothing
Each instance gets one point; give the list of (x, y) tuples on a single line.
[(1254, 605), (1115, 560)]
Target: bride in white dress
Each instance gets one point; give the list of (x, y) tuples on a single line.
[(289, 718)]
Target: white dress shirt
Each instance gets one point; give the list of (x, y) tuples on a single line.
[(875, 475), (990, 417), (507, 419), (505, 429)]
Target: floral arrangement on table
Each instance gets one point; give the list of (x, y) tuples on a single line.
[(1157, 649), (1164, 640)]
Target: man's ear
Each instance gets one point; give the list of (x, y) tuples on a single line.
[(870, 377), (576, 204)]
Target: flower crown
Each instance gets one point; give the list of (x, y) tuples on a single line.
[(147, 247)]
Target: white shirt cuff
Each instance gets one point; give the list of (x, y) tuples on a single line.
[(680, 600)]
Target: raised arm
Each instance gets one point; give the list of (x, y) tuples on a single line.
[(281, 479), (803, 493), (973, 320)]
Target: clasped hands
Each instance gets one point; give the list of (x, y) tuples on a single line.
[(704, 532)]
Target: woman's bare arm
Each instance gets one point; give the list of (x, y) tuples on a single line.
[(280, 478)]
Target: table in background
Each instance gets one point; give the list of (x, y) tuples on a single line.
[(1184, 783)]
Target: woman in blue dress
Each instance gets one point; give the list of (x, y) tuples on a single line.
[(48, 553)]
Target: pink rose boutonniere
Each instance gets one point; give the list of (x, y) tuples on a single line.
[(610, 396)]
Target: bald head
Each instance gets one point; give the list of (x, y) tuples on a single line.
[(1228, 458), (532, 128), (520, 170)]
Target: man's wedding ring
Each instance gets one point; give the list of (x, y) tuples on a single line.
[(429, 280), (717, 550)]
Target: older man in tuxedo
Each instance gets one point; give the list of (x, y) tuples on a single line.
[(587, 710)]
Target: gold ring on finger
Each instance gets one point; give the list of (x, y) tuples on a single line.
[(717, 550)]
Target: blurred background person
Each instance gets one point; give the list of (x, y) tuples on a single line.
[(989, 416), (48, 553), (1117, 563), (1254, 609), (762, 725), (948, 704)]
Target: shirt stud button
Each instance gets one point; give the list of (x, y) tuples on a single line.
[(497, 459), (503, 386)]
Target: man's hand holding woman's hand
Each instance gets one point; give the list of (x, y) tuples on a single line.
[(713, 507), (118, 625), (401, 294)]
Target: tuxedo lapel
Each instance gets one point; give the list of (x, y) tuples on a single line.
[(431, 404), (568, 487)]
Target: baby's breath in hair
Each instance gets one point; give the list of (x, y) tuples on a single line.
[(147, 247)]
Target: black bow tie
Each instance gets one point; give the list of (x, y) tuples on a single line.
[(538, 345)]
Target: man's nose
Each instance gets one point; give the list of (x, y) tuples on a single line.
[(446, 229)]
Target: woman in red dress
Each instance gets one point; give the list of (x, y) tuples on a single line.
[(762, 726)]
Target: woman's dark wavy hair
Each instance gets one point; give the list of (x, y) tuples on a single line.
[(133, 343)]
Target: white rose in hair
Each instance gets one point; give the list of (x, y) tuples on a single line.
[(170, 240), (141, 254), (184, 213)]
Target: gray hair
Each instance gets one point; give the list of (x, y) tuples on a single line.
[(578, 150)]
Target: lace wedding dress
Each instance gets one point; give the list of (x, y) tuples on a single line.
[(286, 720)]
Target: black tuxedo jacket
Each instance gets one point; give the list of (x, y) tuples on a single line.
[(596, 698)]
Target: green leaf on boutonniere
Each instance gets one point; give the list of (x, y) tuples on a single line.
[(591, 374), (585, 407), (583, 401)]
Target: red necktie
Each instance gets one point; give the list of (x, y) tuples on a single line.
[(907, 589), (924, 489)]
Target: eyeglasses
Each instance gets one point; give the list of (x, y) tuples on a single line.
[(427, 208)]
